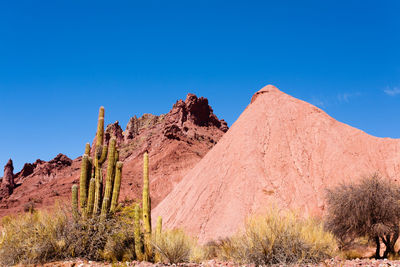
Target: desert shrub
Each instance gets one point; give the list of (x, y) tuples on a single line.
[(98, 239), (211, 249), (198, 253), (370, 208), (32, 237), (120, 246), (278, 239), (175, 246), (45, 236)]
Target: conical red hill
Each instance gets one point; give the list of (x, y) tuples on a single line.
[(281, 150)]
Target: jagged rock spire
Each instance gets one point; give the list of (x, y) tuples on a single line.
[(7, 184)]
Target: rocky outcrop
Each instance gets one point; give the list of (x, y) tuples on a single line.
[(178, 123), (60, 161), (135, 125), (7, 183), (184, 115), (196, 111), (224, 126), (114, 130), (27, 170), (281, 152), (51, 167), (42, 168)]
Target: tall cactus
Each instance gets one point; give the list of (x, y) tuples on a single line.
[(100, 157), (146, 209), (117, 186)]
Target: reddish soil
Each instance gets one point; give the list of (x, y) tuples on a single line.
[(281, 152), (176, 141)]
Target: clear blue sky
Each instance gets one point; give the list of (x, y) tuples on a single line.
[(61, 60)]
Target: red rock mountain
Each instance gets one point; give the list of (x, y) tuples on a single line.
[(176, 141), (281, 151)]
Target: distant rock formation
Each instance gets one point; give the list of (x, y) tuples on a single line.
[(7, 183), (195, 111), (184, 115), (114, 130), (135, 125)]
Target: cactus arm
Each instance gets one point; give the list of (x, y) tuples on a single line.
[(103, 155), (100, 128), (117, 186), (87, 149), (109, 178), (83, 181), (90, 204), (116, 157), (98, 190), (74, 200), (97, 186), (90, 162), (89, 172)]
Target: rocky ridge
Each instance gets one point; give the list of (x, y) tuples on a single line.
[(176, 141)]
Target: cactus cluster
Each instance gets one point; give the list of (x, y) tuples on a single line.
[(93, 199), (96, 201)]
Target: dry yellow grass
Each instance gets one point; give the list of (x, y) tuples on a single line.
[(279, 239), (44, 236), (175, 246), (29, 237)]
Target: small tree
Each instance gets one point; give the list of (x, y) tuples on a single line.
[(370, 208)]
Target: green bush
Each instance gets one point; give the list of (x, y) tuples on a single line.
[(278, 239)]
